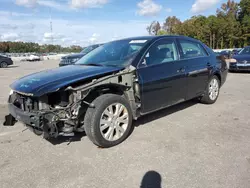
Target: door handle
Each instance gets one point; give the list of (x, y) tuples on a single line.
[(181, 70)]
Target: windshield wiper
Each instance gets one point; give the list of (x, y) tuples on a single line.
[(93, 64)]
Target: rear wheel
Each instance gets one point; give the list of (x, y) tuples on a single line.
[(212, 91), (3, 65), (109, 122)]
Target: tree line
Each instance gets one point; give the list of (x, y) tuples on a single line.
[(27, 47), (228, 28)]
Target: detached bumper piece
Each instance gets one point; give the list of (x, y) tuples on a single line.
[(9, 120), (239, 67), (27, 118), (38, 122)]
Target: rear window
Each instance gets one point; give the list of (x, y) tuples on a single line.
[(192, 49)]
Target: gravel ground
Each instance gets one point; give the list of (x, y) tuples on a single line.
[(186, 146)]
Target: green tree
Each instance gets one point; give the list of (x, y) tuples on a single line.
[(153, 28), (22, 47), (244, 18), (4, 47), (228, 28), (170, 24), (228, 14), (162, 32)]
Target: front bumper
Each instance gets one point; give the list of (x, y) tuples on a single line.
[(239, 67), (224, 76), (10, 62), (28, 118), (65, 62), (62, 63), (35, 121), (46, 123)]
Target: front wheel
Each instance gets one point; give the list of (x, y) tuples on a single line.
[(109, 122), (3, 65), (212, 91)]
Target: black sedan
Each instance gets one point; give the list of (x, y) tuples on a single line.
[(115, 84), (241, 61), (5, 61)]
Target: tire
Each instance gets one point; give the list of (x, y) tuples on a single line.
[(93, 123), (3, 65), (208, 98), (37, 132)]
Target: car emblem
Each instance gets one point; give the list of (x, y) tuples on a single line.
[(245, 61)]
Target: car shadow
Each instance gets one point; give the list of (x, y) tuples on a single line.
[(141, 121), (10, 67), (64, 139), (239, 72), (151, 179), (164, 112)]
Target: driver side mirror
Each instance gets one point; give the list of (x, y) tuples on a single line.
[(144, 63)]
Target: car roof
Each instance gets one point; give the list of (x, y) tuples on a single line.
[(147, 37), (153, 38), (92, 45)]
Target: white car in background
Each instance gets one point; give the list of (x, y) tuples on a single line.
[(33, 58)]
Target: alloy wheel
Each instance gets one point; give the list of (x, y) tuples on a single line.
[(213, 89), (114, 122), (3, 65)]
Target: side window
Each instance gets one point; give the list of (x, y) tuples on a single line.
[(245, 51), (192, 49), (162, 51)]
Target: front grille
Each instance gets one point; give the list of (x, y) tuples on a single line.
[(244, 68), (244, 62), (65, 61)]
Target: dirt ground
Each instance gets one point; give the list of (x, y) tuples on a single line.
[(190, 145)]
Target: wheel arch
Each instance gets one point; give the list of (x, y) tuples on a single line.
[(218, 76), (122, 90), (105, 89)]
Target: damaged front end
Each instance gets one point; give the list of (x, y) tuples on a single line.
[(51, 115), (61, 113)]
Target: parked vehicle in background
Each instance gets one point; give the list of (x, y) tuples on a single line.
[(72, 59), (236, 51), (33, 58), (240, 61), (115, 84), (225, 53), (5, 61)]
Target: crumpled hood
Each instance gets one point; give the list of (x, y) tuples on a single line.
[(242, 57), (49, 81)]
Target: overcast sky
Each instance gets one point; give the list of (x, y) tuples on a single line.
[(83, 22)]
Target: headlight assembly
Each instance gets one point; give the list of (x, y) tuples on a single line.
[(233, 61)]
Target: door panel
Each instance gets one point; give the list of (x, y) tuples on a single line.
[(163, 83), (197, 66), (198, 74)]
